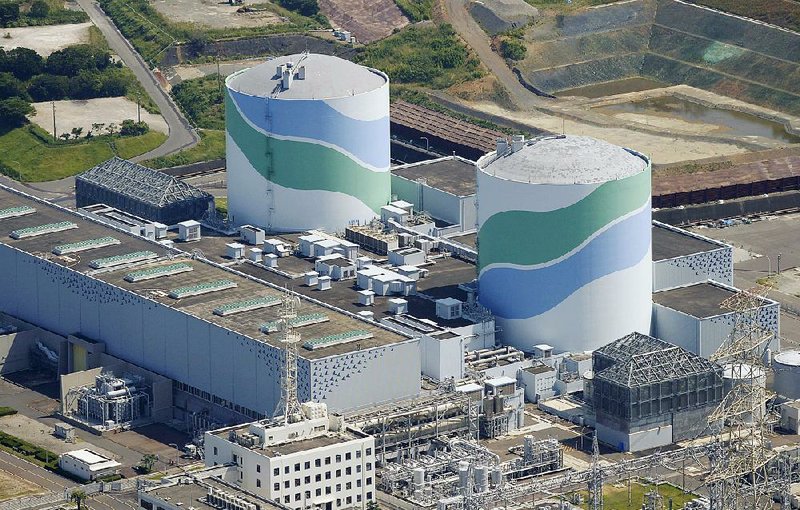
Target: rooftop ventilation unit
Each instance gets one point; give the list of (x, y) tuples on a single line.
[(339, 338), (39, 230), (246, 306), (15, 212), (297, 322), (157, 272), (89, 244), (201, 288), (118, 260)]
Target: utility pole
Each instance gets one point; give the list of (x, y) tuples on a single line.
[(138, 108), (53, 104)]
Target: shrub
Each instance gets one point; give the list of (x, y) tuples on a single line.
[(47, 87), (39, 9), (513, 49), (14, 112), (131, 128)]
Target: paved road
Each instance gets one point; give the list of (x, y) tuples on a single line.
[(181, 134)]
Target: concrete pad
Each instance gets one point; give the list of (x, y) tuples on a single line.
[(45, 40), (40, 434), (214, 14), (83, 113)]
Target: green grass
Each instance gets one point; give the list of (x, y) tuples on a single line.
[(616, 498), (58, 15), (211, 146), (7, 411), (430, 55), (26, 156), (416, 10), (201, 100), (221, 204)]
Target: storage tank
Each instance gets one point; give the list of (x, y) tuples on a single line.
[(307, 143), (786, 366), (735, 374), (564, 241)]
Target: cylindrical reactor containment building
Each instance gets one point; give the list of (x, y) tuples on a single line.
[(307, 143), (564, 241)]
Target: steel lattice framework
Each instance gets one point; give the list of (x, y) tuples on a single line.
[(288, 407)]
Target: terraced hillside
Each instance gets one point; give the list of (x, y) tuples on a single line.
[(671, 42)]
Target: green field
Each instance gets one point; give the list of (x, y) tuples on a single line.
[(211, 146), (201, 100), (430, 55), (27, 157), (616, 497)]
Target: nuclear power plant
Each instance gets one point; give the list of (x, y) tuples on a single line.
[(307, 143), (564, 241)]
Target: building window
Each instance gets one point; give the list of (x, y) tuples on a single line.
[(358, 468), (327, 490), (297, 467), (369, 466), (215, 450), (327, 460), (318, 477), (358, 482), (318, 492), (348, 470), (308, 494), (287, 499), (338, 473), (307, 465), (297, 482), (349, 500), (369, 495), (276, 472), (307, 479), (258, 468), (369, 480), (146, 505), (317, 462), (338, 502), (358, 454), (235, 459), (348, 486), (358, 498), (258, 483), (327, 475), (276, 486), (338, 487), (286, 484), (338, 458), (369, 451), (297, 497), (348, 456), (285, 470)]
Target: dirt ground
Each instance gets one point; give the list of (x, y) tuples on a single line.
[(368, 20), (12, 487), (40, 434), (214, 14), (45, 40), (83, 113)]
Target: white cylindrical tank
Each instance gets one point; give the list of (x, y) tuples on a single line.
[(307, 143), (786, 366), (564, 242), (735, 374), (463, 473), (418, 476)]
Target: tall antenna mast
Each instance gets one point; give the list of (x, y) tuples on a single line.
[(595, 478), (288, 406)]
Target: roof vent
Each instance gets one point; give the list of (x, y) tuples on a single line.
[(502, 146), (287, 77), (301, 73), (517, 142)]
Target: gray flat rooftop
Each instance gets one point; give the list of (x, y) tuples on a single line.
[(669, 244), (193, 495), (327, 77), (565, 160), (451, 175), (246, 323), (289, 447), (701, 300)]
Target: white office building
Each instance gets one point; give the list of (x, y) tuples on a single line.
[(313, 462)]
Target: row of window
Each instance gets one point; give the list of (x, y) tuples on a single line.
[(318, 462), (349, 485), (299, 497), (318, 477), (197, 392)]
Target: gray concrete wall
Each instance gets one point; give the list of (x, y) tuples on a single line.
[(676, 328), (715, 265), (74, 380)]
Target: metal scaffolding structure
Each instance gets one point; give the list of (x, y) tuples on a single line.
[(112, 402), (288, 408), (745, 472)]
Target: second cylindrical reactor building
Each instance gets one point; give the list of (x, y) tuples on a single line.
[(564, 241), (307, 143)]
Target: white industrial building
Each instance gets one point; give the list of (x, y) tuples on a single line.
[(207, 339), (314, 462), (681, 258), (87, 464)]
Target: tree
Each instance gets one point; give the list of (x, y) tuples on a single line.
[(513, 49), (39, 9), (114, 84), (24, 63), (131, 128), (14, 112), (78, 496), (147, 463), (373, 505), (10, 86), (46, 87), (9, 13), (74, 59), (86, 85)]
